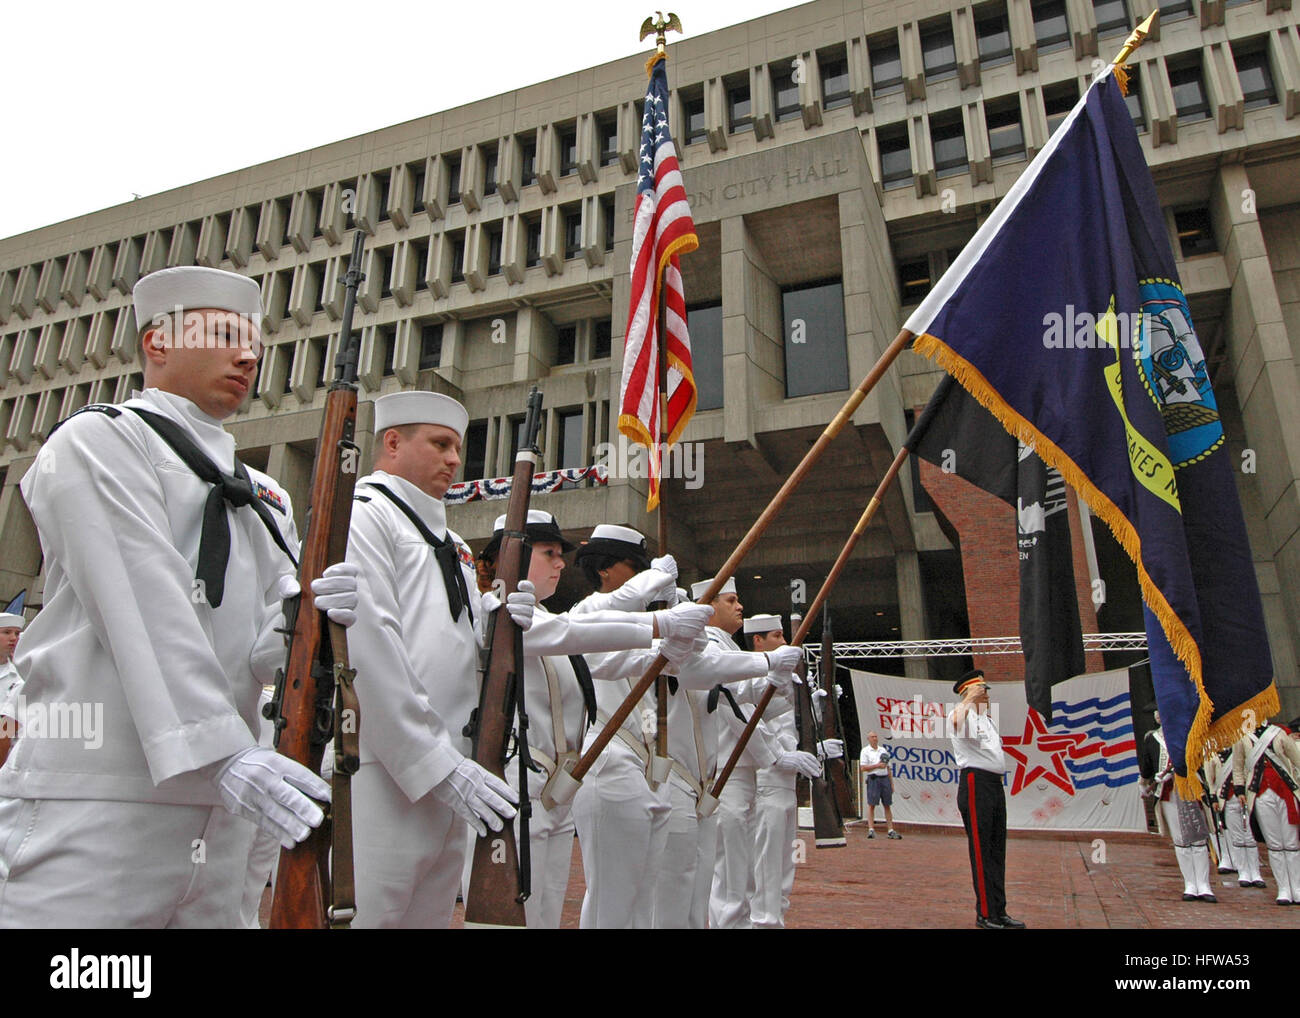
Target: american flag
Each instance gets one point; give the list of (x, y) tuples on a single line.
[(663, 228)]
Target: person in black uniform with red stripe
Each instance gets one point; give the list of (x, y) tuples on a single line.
[(978, 749)]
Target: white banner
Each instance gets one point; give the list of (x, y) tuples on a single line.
[(1079, 773)]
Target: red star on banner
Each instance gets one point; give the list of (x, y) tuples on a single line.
[(1042, 743)]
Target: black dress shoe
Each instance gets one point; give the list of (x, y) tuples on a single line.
[(989, 924), (1208, 897), (1009, 923), (1189, 897)]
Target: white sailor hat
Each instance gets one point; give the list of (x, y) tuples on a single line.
[(541, 526), (8, 620), (763, 624), (191, 287), (698, 590), (399, 408), (619, 542)]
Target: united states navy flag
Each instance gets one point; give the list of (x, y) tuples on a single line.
[(1064, 316)]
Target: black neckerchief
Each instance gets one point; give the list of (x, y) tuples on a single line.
[(443, 550), (234, 490)]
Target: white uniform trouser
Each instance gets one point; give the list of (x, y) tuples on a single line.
[(407, 856), (1283, 840), (733, 871), (87, 864), (686, 867), (1245, 853), (622, 827), (264, 855), (550, 843), (1193, 857), (775, 832)]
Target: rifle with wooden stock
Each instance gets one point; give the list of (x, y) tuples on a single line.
[(832, 728), (828, 821), (499, 881), (314, 697)]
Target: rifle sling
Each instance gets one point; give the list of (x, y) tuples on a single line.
[(347, 759)]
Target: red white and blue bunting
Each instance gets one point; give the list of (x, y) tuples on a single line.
[(490, 488)]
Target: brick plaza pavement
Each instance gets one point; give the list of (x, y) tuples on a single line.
[(923, 882)]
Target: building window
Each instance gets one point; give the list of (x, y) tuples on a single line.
[(490, 171), (816, 353), (417, 189), (835, 81), (1112, 16), (740, 110), (458, 258), (381, 264), (572, 233), (886, 64), (785, 91), (1171, 10), (566, 344), (693, 113), (601, 339), (421, 266), (474, 451), (1256, 77), (607, 131), (385, 339), (527, 161), (1195, 232), (938, 52), (1134, 101), (1058, 100), (913, 280), (607, 205), (381, 185), (948, 139), (704, 323), (895, 156), (430, 346), (533, 247), (516, 425), (324, 369), (569, 446), (1051, 28), (453, 181), (1006, 137), (494, 251), (568, 141), (992, 36), (1189, 93)]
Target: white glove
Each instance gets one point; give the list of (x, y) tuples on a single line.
[(519, 605), (666, 564), (802, 763), (784, 659), (335, 591), (681, 596), (817, 694), (830, 749), (783, 683), (477, 795), (685, 620), (272, 791)]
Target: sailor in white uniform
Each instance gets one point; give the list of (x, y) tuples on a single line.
[(166, 562), (685, 877), (560, 696), (11, 683)]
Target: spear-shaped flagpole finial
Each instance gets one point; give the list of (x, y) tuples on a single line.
[(1136, 38), (659, 26)]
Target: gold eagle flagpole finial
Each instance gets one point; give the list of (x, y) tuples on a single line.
[(659, 26), (1135, 39)]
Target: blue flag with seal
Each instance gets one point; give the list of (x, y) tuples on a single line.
[(1064, 316)]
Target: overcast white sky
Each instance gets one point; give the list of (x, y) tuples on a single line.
[(92, 88)]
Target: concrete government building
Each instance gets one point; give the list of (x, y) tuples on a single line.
[(838, 155)]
